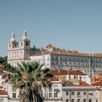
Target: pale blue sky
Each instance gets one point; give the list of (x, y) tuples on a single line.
[(70, 24)]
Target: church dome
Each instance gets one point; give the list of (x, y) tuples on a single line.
[(13, 38), (24, 37)]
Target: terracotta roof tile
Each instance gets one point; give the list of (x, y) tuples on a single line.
[(78, 84), (65, 72), (2, 92), (81, 83), (59, 72), (66, 80), (54, 79), (95, 79), (97, 83)]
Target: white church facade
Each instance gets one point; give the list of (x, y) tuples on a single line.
[(18, 51)]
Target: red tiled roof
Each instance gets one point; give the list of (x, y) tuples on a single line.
[(54, 79), (66, 80), (68, 54), (98, 55), (2, 92), (81, 83), (96, 79), (59, 72), (65, 72), (75, 72), (97, 83)]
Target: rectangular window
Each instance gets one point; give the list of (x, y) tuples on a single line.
[(78, 93), (13, 95), (72, 93), (90, 93), (78, 100), (84, 100), (72, 100), (67, 100), (67, 92), (55, 94), (50, 94), (84, 93), (90, 100), (96, 100)]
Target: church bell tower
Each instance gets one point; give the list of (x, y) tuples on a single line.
[(18, 51)]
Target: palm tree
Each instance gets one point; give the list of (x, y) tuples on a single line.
[(29, 78)]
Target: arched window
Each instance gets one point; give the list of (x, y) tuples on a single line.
[(9, 45)]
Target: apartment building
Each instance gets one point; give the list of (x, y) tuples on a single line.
[(97, 82), (70, 88), (79, 92), (71, 75), (54, 93)]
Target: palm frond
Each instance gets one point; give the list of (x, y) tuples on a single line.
[(29, 78)]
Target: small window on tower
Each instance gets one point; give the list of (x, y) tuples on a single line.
[(21, 44), (27, 44), (9, 45)]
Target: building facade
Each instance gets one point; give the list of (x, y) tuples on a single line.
[(73, 89), (54, 93), (79, 94), (53, 57)]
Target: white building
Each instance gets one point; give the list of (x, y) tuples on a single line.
[(3, 87), (74, 75), (12, 94), (54, 93), (71, 91), (79, 93), (7, 93), (53, 57)]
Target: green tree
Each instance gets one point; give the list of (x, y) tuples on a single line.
[(29, 78), (3, 60)]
